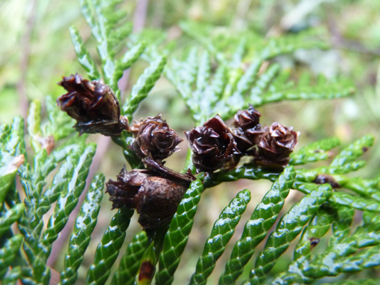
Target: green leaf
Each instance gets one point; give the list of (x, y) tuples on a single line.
[(355, 282), (72, 154), (314, 152), (8, 168), (12, 277), (358, 203), (185, 71), (4, 133), (364, 187), (34, 124), (8, 253), (15, 144), (38, 248), (238, 54), (256, 229), (87, 11), (178, 234), (108, 249), (246, 171), (292, 42), (142, 87), (353, 151), (69, 196), (11, 216), (287, 230), (126, 62), (188, 28), (129, 264), (248, 78), (83, 55), (221, 233), (203, 72), (59, 124), (263, 82), (84, 226), (342, 255), (317, 228), (342, 222)]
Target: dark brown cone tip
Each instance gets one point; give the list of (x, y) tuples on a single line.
[(212, 145), (93, 105), (154, 138), (247, 119)]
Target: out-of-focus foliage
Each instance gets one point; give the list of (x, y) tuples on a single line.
[(220, 54)]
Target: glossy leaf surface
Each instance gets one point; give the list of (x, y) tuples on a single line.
[(178, 234), (221, 233)]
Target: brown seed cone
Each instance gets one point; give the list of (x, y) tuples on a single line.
[(93, 105), (247, 119), (275, 146), (154, 138), (248, 138), (155, 198), (212, 145)]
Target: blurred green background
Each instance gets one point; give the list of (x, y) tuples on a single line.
[(36, 51)]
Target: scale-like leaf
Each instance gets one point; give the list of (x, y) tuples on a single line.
[(15, 144), (255, 230), (261, 85), (355, 202), (365, 187), (178, 234), (8, 168), (316, 229), (11, 216), (142, 87), (34, 124), (8, 253), (84, 225), (342, 255), (59, 124), (72, 154), (287, 230), (221, 233), (69, 196), (4, 133), (126, 62), (108, 249), (355, 282), (75, 171), (353, 151), (314, 152), (13, 276), (83, 55), (129, 264), (247, 171)]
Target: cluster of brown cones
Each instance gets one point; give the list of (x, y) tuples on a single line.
[(215, 145), (155, 192)]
